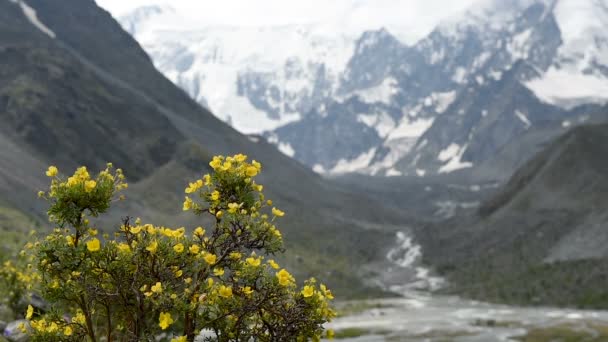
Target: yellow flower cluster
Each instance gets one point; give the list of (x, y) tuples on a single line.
[(44, 326), (285, 279), (236, 163), (165, 320)]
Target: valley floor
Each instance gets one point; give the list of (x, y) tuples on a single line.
[(422, 317)]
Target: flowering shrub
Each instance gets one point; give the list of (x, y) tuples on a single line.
[(146, 281)]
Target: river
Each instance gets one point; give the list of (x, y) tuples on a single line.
[(424, 317)]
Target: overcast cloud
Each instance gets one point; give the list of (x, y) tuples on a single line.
[(413, 18)]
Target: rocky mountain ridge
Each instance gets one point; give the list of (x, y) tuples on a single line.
[(375, 105)]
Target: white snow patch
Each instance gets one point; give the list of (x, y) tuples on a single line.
[(519, 46), (453, 155), (479, 79), (558, 86), (459, 75), (428, 101), (358, 163), (382, 93), (30, 14), (380, 121), (318, 168), (410, 128), (521, 116), (449, 152), (398, 148), (481, 59), (444, 100), (484, 113), (566, 124), (496, 75), (393, 173), (286, 149), (580, 19), (420, 172)]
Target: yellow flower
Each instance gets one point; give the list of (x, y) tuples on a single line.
[(199, 231), (165, 320), (178, 248), (275, 231), (276, 212), (273, 264), (227, 165), (218, 272), (69, 240), (67, 331), (308, 291), (247, 290), (135, 230), (179, 339), (93, 245), (209, 282), (178, 273), (89, 185), (255, 262), (206, 179), (194, 249), (219, 214), (216, 162), (235, 255), (210, 258), (53, 327), (79, 318), (251, 171), (240, 157), (152, 247), (187, 204), (179, 233), (30, 312), (158, 288), (284, 277), (233, 207), (225, 291), (166, 232), (52, 171), (215, 195), (326, 292), (330, 334)]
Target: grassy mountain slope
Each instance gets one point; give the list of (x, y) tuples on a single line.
[(91, 96), (542, 238)]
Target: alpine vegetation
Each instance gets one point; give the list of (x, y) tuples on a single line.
[(146, 282)]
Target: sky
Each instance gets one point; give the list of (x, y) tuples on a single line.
[(414, 17)]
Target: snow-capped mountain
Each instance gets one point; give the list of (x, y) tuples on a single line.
[(256, 78), (347, 102)]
